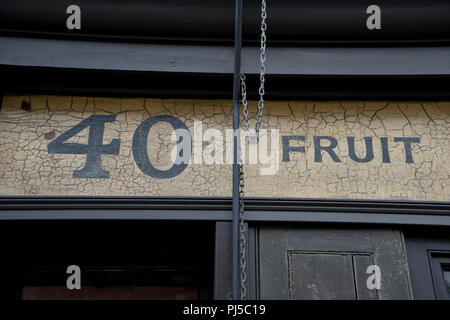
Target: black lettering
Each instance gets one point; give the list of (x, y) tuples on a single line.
[(352, 153), (318, 148), (287, 148), (407, 142), (385, 150), (94, 149), (140, 153)]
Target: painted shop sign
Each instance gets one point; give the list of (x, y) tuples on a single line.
[(57, 145)]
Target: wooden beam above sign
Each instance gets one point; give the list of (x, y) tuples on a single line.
[(377, 61)]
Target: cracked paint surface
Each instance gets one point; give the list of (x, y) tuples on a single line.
[(26, 167)]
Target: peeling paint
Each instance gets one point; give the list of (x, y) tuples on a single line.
[(26, 167)]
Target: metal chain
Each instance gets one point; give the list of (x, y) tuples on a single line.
[(242, 242), (262, 73), (244, 103), (242, 231), (262, 54)]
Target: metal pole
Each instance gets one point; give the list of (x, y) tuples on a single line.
[(236, 140)]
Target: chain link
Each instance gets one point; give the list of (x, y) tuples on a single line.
[(244, 103), (262, 73), (242, 227), (242, 233)]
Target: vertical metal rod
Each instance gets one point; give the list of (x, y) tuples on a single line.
[(236, 88)]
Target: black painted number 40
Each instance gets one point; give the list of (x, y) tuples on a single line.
[(95, 148)]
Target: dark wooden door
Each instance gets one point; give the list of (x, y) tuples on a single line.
[(330, 263)]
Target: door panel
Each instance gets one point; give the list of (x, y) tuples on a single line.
[(320, 276), (328, 263)]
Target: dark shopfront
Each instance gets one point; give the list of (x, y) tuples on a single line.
[(353, 179)]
